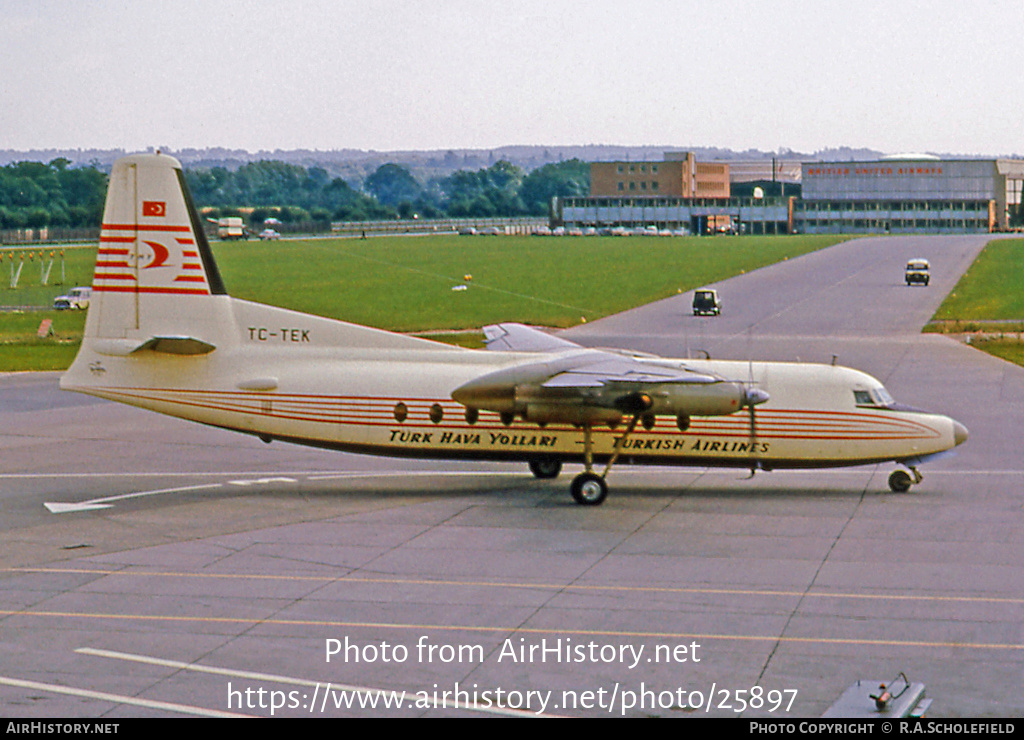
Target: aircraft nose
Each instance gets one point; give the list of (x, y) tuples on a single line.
[(959, 433)]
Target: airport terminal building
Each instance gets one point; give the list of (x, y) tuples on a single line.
[(904, 194)]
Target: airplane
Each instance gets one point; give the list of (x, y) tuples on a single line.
[(163, 334)]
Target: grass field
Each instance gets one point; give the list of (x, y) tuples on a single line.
[(992, 289), (405, 283), (989, 298), (21, 349)]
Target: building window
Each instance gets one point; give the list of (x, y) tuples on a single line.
[(622, 186), (632, 186), (654, 185)]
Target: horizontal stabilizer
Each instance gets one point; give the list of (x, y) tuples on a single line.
[(171, 345), (177, 346)]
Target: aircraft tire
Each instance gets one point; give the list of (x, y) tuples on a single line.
[(545, 468), (589, 489), (900, 481)]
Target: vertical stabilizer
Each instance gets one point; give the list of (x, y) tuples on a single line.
[(154, 268)]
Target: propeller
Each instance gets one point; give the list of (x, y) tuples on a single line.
[(753, 397)]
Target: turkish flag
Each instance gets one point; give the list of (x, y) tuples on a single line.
[(154, 208)]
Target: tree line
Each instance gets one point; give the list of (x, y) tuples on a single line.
[(33, 194)]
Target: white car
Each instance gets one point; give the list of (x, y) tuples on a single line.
[(269, 234), (75, 298), (917, 272)]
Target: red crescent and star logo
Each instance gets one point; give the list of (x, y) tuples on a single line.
[(154, 208)]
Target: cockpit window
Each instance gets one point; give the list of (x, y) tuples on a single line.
[(878, 397)]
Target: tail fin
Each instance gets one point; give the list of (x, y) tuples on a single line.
[(157, 293), (153, 257)]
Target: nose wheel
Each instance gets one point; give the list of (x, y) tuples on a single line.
[(900, 481)]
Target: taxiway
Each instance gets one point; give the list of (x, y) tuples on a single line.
[(184, 570)]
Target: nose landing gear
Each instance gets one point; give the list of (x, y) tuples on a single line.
[(900, 480)]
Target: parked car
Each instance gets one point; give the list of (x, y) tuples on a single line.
[(76, 298), (917, 272), (706, 302), (269, 235)]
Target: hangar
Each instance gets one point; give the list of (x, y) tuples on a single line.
[(909, 194), (901, 194)]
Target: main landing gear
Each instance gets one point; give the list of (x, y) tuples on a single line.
[(900, 480), (588, 488)]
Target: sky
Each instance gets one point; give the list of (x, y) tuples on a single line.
[(890, 75)]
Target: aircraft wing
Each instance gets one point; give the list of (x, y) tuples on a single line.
[(623, 370), (592, 369), (521, 338), (572, 384)]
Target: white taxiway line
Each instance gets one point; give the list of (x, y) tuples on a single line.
[(101, 503), (255, 676), (119, 698)]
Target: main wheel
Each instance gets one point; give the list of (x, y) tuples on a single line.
[(900, 481), (545, 468), (589, 489)]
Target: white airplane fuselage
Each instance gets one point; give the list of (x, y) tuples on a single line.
[(163, 334), (282, 375)]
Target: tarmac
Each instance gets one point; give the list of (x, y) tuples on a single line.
[(153, 567)]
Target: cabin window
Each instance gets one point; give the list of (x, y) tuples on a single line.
[(436, 413), (401, 412)]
